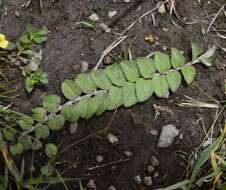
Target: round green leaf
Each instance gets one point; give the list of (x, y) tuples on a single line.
[(129, 95), (25, 141), (92, 108), (177, 58), (146, 66), (144, 89), (102, 102), (115, 75), (162, 62), (55, 122), (16, 149), (130, 70), (41, 131), (47, 170), (83, 107), (39, 114), (161, 86), (51, 103), (70, 113), (51, 150), (9, 133), (196, 50), (85, 83), (174, 80), (100, 78), (115, 98), (25, 122), (70, 89), (189, 73)]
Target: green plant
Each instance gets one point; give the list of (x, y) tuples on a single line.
[(34, 75), (31, 36), (213, 158), (126, 83), (123, 84)]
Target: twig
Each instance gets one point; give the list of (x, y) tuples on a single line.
[(41, 5), (109, 49), (215, 17), (80, 97), (173, 10), (142, 16), (107, 164), (123, 37), (2, 18)]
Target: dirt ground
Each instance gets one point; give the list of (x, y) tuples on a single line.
[(68, 45)]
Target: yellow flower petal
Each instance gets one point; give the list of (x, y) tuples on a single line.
[(2, 37), (4, 44)]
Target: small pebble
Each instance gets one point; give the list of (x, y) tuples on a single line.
[(156, 174), (94, 17), (167, 136), (150, 169), (165, 29), (154, 161), (162, 8), (126, 1), (99, 158), (112, 13), (84, 66), (91, 184), (111, 188), (138, 179), (105, 27), (148, 180), (128, 153), (112, 138), (154, 132), (73, 127), (181, 136), (17, 13)]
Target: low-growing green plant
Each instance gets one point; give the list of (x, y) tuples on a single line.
[(30, 37), (34, 75), (212, 161), (92, 93)]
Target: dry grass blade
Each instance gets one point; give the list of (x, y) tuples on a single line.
[(109, 49), (217, 14), (190, 102)]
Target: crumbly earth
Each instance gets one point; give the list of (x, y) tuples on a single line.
[(68, 45)]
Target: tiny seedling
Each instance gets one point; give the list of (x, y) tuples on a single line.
[(26, 46)]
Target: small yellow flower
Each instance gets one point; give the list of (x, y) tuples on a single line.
[(3, 42)]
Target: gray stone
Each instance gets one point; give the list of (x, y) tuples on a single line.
[(167, 136), (105, 27), (126, 1), (156, 174), (94, 17), (148, 180), (91, 184), (112, 13), (84, 66), (128, 153), (138, 179), (150, 169), (111, 188), (17, 13), (154, 161), (112, 138), (99, 158), (162, 8)]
